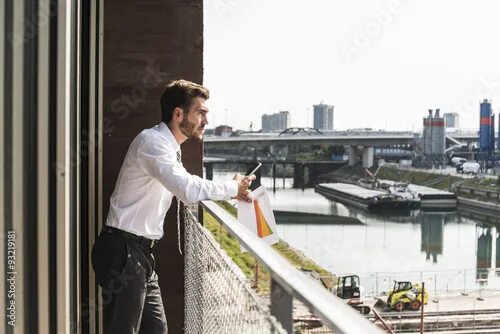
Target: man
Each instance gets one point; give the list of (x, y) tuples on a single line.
[(151, 175)]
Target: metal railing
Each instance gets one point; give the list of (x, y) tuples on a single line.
[(494, 194), (287, 283), (217, 298)]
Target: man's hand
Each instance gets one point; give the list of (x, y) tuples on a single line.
[(243, 183)]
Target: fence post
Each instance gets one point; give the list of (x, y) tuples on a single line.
[(464, 293), (282, 306), (435, 300), (437, 317), (480, 298), (474, 316), (422, 308)]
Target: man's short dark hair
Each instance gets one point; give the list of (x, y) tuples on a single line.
[(179, 93)]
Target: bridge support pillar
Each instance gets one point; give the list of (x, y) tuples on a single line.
[(353, 152), (209, 171), (367, 156), (274, 177), (298, 175), (363, 153)]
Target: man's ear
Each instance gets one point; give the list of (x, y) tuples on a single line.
[(178, 114)]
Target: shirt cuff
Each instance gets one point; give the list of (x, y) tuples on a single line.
[(232, 188)]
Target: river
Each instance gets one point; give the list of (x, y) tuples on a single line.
[(447, 251)]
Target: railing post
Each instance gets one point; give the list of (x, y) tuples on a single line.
[(282, 306)]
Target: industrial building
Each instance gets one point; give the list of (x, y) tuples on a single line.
[(276, 122), (486, 127), (451, 120), (486, 135), (323, 116), (434, 140), (223, 131)]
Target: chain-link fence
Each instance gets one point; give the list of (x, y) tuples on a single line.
[(217, 296)]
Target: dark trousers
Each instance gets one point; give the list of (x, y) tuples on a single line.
[(131, 296)]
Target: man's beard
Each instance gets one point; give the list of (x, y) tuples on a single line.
[(190, 130)]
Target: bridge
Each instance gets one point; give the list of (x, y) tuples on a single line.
[(360, 145), (344, 138)]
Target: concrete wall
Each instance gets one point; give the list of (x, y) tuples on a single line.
[(146, 44)]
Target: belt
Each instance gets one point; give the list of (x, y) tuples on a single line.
[(142, 241)]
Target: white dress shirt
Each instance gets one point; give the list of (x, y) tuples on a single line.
[(150, 177)]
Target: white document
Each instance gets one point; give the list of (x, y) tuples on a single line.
[(258, 216)]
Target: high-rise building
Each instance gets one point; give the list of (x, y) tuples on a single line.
[(276, 122), (323, 116), (451, 120)]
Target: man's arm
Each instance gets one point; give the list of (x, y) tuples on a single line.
[(160, 162)]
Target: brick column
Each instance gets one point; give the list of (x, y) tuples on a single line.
[(146, 44)]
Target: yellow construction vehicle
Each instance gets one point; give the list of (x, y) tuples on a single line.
[(405, 295)]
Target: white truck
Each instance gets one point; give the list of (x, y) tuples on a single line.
[(455, 161), (468, 168)]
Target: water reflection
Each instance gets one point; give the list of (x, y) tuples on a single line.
[(385, 242), (488, 264), (432, 228), (484, 241)]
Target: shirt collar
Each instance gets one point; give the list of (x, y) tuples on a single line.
[(165, 131)]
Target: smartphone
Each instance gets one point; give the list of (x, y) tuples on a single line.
[(255, 169)]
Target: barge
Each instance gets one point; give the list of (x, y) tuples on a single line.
[(399, 190), (431, 198), (363, 198)]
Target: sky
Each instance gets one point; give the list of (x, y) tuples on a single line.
[(381, 63)]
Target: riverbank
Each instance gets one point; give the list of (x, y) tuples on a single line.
[(247, 263)]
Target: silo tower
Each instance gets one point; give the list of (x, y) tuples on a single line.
[(486, 134), (434, 139)]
